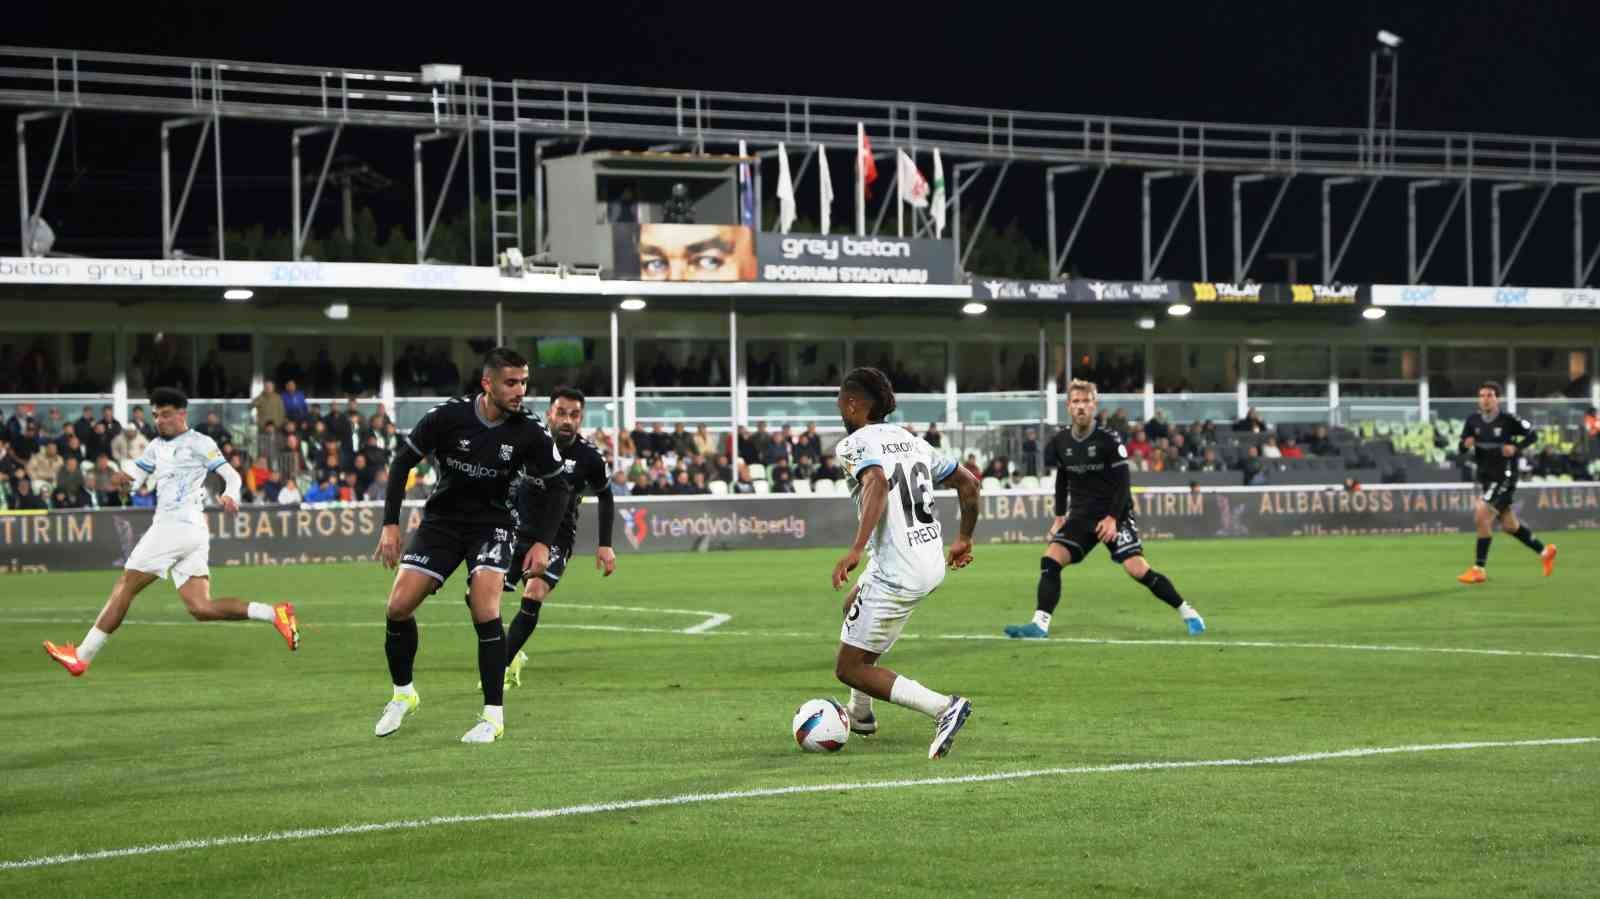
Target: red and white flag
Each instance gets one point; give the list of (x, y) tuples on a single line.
[(912, 186)]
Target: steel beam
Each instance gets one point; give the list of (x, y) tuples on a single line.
[(1058, 257), (301, 232), (1330, 262), (1580, 269), (425, 233), (1241, 261), (1500, 271), (28, 215)]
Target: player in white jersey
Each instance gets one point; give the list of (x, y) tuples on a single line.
[(892, 474), (178, 543)]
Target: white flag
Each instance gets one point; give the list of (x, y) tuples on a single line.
[(938, 195), (824, 187), (785, 191), (912, 186)]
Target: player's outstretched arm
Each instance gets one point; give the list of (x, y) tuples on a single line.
[(968, 489), (874, 502)]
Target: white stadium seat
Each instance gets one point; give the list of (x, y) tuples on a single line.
[(718, 488), (823, 487), (758, 472), (763, 488), (802, 486)]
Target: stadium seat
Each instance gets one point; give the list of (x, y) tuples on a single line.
[(1029, 482), (993, 485), (802, 487), (758, 472), (763, 488), (823, 487), (718, 488)]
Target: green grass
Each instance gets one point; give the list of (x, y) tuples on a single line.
[(196, 731)]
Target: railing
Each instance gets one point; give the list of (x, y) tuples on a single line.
[(309, 94), (1183, 407)]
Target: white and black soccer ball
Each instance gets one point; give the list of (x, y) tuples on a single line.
[(821, 725)]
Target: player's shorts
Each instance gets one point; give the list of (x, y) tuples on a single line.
[(876, 618), (437, 549), (1498, 494), (552, 574), (173, 550), (1078, 536)]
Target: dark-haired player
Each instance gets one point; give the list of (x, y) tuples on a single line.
[(892, 474), (1094, 504), (178, 543), (1495, 438), (584, 472), (480, 443)]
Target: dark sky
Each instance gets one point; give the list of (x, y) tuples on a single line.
[(1507, 67)]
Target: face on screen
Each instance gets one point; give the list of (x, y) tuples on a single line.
[(695, 253)]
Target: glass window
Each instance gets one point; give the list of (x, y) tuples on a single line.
[(912, 366), (1552, 372), (1379, 363), (571, 361), (1113, 367), (794, 363), (1196, 368), (1288, 362), (330, 366), (983, 367), (680, 363), (1457, 371), (56, 363)]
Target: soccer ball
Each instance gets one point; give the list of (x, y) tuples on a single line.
[(821, 725)]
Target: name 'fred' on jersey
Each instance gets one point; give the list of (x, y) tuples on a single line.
[(478, 459), (907, 546)]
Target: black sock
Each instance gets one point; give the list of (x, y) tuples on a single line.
[(1161, 587), (400, 645), (1049, 585), (1528, 540), (492, 660), (1483, 550), (522, 625)]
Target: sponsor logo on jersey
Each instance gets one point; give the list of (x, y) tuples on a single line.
[(472, 469), (466, 444), (505, 452)]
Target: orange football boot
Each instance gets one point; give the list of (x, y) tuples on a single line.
[(283, 619), (68, 657), (1473, 575), (1548, 557)]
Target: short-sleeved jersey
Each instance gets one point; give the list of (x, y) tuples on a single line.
[(586, 474), (907, 545), (1490, 435), (178, 466), (477, 460), (1086, 474)]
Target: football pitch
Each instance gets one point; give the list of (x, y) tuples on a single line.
[(1354, 723)]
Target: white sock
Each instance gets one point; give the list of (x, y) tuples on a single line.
[(860, 705), (92, 641), (912, 695), (259, 611), (495, 713), (1042, 618), (1187, 611), (406, 690)]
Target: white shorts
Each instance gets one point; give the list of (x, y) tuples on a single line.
[(876, 618), (178, 551)]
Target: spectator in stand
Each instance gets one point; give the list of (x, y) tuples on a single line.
[(1253, 469), (744, 484), (1320, 444), (24, 499), (9, 463), (1157, 427), (682, 441), (626, 448), (1591, 429), (28, 445), (108, 417), (829, 471), (932, 435), (83, 426), (294, 401), (246, 495), (44, 465), (782, 482), (1251, 423), (353, 380), (971, 464), (1208, 461), (378, 489), (269, 407), (661, 441), (326, 491), (271, 489), (644, 447), (213, 378), (746, 446), (778, 449), (761, 440), (641, 485), (214, 429), (620, 485), (289, 494), (723, 469), (102, 480), (73, 448), (289, 369), (999, 468), (1549, 465), (1292, 450), (1271, 450), (1182, 450), (291, 459), (99, 441), (349, 488), (145, 498), (129, 445), (1015, 481), (71, 485), (705, 443), (1030, 452), (1119, 422), (1138, 446), (140, 424), (808, 445), (364, 474)]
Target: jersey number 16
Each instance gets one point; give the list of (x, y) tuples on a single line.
[(916, 492)]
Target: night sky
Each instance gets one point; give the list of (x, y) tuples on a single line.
[(1505, 67)]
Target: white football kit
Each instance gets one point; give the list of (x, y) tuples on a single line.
[(178, 543), (906, 550)]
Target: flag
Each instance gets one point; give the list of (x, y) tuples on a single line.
[(912, 186), (938, 195), (867, 168), (785, 191), (824, 187), (747, 194)]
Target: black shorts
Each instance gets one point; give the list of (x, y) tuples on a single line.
[(552, 575), (437, 549), (1078, 536), (1499, 495)]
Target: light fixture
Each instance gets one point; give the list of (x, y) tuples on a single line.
[(1259, 358), (631, 304), (975, 308), (1178, 309), (237, 295), (1146, 323), (337, 311), (1389, 39), (511, 262), (1373, 313)]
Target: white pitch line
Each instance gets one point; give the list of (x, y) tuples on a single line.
[(315, 833)]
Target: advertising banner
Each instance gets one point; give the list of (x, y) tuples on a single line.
[(991, 290), (287, 535), (1207, 292), (1424, 296), (663, 252), (846, 259), (214, 273)]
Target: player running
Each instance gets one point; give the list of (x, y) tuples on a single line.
[(892, 474), (1094, 504), (1495, 438), (178, 543), (585, 472), (480, 444)]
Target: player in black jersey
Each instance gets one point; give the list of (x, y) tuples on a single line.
[(584, 472), (1495, 438), (479, 444), (1094, 504)]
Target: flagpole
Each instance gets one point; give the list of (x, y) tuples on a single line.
[(861, 183)]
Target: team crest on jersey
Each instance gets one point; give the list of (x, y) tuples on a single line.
[(466, 444), (505, 452), (635, 525), (1092, 449), (1497, 432)]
